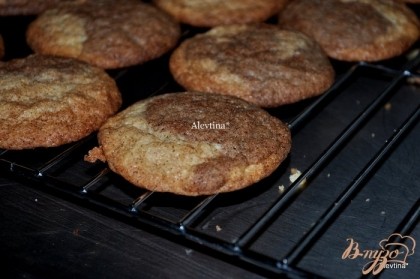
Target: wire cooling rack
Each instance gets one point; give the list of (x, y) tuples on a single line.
[(343, 142)]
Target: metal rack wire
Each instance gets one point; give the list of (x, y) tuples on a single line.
[(47, 170)]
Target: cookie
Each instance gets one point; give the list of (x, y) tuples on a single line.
[(50, 101), (193, 143), (261, 64), (357, 30), (106, 33), (216, 12), (29, 7)]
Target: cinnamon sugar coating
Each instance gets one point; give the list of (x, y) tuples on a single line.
[(355, 30), (210, 13), (193, 143), (50, 101), (30, 7), (261, 64), (107, 33)]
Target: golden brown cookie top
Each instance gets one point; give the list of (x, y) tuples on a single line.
[(49, 101), (258, 63), (106, 33), (209, 13), (354, 30), (30, 7), (194, 143)]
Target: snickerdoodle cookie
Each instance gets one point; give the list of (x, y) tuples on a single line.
[(354, 30), (29, 7), (50, 101), (260, 63), (210, 13), (193, 143), (106, 33)]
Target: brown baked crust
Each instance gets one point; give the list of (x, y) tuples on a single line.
[(50, 101), (213, 13), (106, 33), (30, 7), (260, 63), (357, 30), (154, 145)]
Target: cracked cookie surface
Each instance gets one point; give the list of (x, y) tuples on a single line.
[(261, 64), (30, 7), (354, 30), (205, 13), (107, 33), (50, 101), (193, 143)]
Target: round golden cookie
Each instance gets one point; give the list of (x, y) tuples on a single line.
[(29, 7), (210, 13), (49, 101), (262, 64), (356, 30), (193, 143), (106, 33)]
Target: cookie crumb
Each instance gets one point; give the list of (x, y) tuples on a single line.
[(281, 189), (412, 54), (295, 174), (95, 154), (188, 251)]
